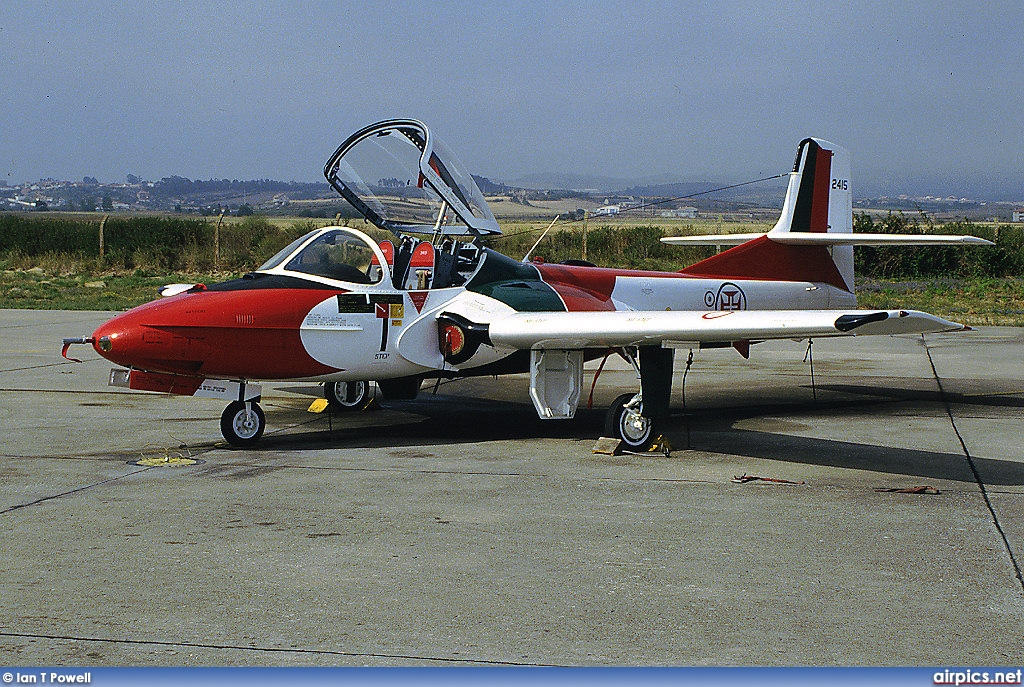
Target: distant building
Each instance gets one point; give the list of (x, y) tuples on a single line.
[(684, 213), (1018, 215), (607, 210)]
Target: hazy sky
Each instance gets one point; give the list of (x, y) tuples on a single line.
[(694, 91)]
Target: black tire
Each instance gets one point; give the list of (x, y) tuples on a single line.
[(346, 396), (241, 428), (636, 432)]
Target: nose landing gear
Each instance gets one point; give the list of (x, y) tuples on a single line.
[(242, 423)]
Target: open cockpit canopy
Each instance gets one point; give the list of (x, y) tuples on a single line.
[(402, 178)]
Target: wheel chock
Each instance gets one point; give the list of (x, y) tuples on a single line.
[(606, 446), (317, 406)]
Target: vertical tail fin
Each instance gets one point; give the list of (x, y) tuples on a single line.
[(813, 239), (819, 198), (818, 201)]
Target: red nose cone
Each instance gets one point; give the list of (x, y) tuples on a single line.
[(104, 338), (119, 340), (240, 334), (141, 338)]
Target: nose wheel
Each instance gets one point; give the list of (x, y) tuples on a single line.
[(625, 420), (242, 423)]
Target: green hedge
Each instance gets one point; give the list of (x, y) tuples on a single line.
[(1005, 259), (35, 236), (166, 243), (632, 247), (171, 243)]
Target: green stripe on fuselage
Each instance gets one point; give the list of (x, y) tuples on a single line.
[(516, 284)]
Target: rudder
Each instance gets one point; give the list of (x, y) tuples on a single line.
[(819, 198)]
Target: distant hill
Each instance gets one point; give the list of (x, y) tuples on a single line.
[(571, 182), (676, 190), (767, 194), (491, 188), (184, 187)]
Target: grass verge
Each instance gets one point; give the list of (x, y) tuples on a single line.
[(977, 301), (36, 289)]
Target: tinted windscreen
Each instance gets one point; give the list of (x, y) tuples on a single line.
[(337, 255), (282, 254)]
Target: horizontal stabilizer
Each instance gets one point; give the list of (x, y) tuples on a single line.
[(710, 239), (811, 239), (575, 330)]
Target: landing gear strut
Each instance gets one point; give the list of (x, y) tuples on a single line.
[(632, 417), (242, 423), (347, 395)]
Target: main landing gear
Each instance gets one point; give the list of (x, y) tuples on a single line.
[(625, 421), (242, 423), (633, 418), (347, 396)]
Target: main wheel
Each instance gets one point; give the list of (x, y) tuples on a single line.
[(630, 426), (347, 395), (242, 424)]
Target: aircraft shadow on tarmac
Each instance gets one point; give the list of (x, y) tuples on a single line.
[(725, 438), (468, 420), (1011, 398)]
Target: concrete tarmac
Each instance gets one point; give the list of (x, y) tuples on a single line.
[(459, 529)]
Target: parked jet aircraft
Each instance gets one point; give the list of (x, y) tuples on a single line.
[(336, 306)]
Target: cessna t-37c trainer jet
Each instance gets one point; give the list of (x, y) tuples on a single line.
[(335, 306)]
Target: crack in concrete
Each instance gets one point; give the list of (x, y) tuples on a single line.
[(974, 468), (51, 497), (272, 649)]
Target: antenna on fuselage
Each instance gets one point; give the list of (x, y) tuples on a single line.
[(527, 256)]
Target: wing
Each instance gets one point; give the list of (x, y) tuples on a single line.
[(575, 330)]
